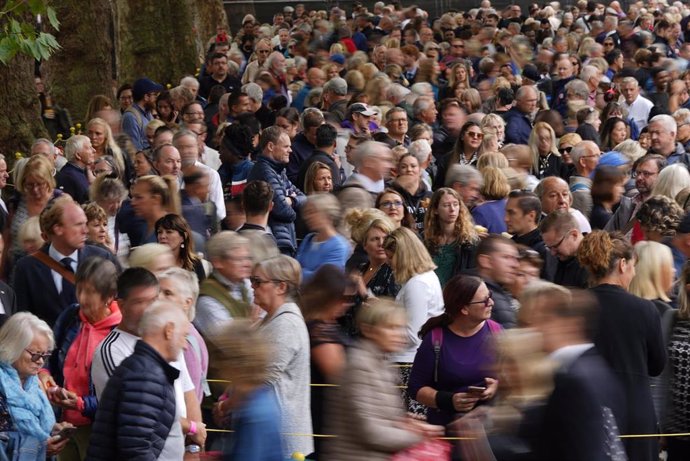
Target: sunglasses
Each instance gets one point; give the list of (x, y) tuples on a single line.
[(254, 280), (484, 301), (565, 150), (473, 134), (36, 356)]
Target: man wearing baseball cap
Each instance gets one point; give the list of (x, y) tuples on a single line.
[(138, 115), (359, 118)]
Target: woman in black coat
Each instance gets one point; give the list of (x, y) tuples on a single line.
[(628, 335)]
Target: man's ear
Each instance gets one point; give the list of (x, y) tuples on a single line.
[(483, 261)]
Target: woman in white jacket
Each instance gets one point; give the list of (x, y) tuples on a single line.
[(420, 294)]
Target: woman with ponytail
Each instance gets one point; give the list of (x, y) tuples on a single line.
[(453, 369), (628, 334)]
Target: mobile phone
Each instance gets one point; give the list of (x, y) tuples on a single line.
[(66, 433), (475, 389)]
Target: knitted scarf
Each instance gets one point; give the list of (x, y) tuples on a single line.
[(29, 407)]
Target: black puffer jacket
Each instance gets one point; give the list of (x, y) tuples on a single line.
[(136, 410), (281, 220)]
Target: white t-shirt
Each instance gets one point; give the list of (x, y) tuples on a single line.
[(116, 347)]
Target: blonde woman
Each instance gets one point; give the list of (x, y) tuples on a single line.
[(490, 214), (654, 273), (471, 100), (103, 142), (420, 294), (546, 160), (494, 123), (449, 234)]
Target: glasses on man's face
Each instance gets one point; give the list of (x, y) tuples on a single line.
[(555, 247), (484, 301), (644, 174), (37, 356), (392, 204)]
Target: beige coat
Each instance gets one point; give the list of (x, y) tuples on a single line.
[(367, 410)]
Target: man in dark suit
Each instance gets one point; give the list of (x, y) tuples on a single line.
[(39, 283), (583, 413)]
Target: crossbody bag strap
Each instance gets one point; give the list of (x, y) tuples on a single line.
[(54, 265)]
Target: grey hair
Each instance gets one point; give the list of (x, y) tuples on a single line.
[(397, 92), (45, 141), (19, 332), (285, 269), (421, 88), (189, 80), (145, 255), (631, 149), (668, 122), (463, 175), (524, 89), (682, 116), (421, 104), (222, 243), (580, 150), (578, 87), (185, 281), (158, 315), (100, 273), (366, 150), (420, 149), (73, 145), (631, 81), (588, 72)]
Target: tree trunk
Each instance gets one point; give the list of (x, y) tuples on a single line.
[(20, 120), (84, 66)]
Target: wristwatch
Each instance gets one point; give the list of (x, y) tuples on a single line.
[(192, 449)]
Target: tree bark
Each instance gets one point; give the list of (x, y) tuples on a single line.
[(20, 120), (84, 67)]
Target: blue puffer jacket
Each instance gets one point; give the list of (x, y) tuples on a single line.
[(137, 409), (282, 217)]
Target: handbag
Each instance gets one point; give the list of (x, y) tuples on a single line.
[(428, 450)]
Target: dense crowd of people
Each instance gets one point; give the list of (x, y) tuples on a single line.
[(356, 232)]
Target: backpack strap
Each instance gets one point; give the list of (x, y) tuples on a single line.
[(437, 341), (494, 327)]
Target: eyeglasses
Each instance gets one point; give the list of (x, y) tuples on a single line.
[(394, 204), (254, 280), (644, 174), (35, 185), (36, 356), (565, 150), (484, 301), (555, 247), (458, 45), (474, 134)]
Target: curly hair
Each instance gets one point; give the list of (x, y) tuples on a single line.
[(600, 251), (660, 214), (464, 231)]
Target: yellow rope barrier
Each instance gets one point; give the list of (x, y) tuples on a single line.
[(330, 436)]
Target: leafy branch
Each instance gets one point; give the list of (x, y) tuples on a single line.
[(19, 32)]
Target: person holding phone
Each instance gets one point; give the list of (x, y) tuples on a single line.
[(27, 421), (452, 370)]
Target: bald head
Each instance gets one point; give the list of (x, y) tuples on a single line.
[(316, 77), (554, 194)]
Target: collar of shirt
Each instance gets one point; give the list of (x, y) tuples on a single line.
[(57, 256), (369, 184)]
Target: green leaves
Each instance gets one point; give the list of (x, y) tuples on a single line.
[(20, 31)]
